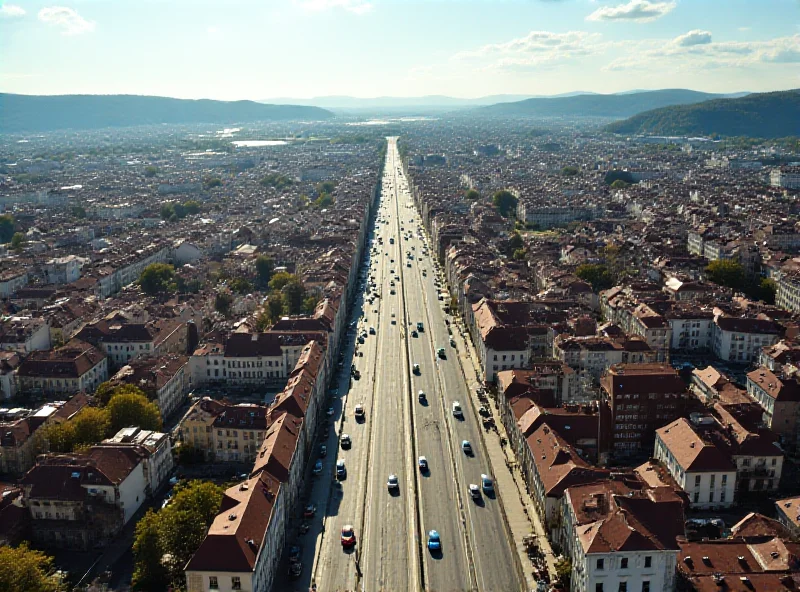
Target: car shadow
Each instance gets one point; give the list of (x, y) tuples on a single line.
[(349, 550), (436, 554), (489, 494), (394, 492), (479, 501)]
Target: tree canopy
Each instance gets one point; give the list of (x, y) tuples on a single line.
[(505, 202), (222, 302), (6, 228), (22, 568), (595, 274), (157, 278), (472, 195), (727, 273), (131, 409), (276, 181), (570, 171), (17, 241), (264, 267)]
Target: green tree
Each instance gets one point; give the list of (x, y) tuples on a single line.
[(6, 228), (264, 266), (130, 409), (150, 171), (167, 211), (293, 295), (766, 290), (595, 274), (17, 241), (279, 280), (108, 389), (275, 306), (323, 201), (56, 437), (91, 426), (564, 572), (519, 254), (727, 273), (276, 181), (78, 211), (240, 286), (184, 522), (192, 207), (148, 553), (22, 568), (157, 278), (505, 202), (570, 171), (472, 195), (211, 182), (180, 211), (326, 187), (223, 302), (309, 304), (515, 241), (620, 184)]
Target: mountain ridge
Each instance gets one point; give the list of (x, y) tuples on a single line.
[(762, 115), (42, 113)]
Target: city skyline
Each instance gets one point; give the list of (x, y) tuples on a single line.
[(312, 48)]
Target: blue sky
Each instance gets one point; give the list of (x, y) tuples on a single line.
[(257, 49)]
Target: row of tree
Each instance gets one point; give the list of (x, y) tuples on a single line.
[(177, 211)]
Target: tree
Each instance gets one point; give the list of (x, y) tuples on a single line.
[(223, 302), (519, 254), (264, 266), (192, 207), (472, 195), (211, 182), (106, 390), (620, 184), (505, 202), (56, 437), (184, 522), (564, 571), (766, 290), (22, 568), (613, 175), (293, 295), (130, 409), (148, 552), (727, 273), (180, 211), (279, 280), (309, 304), (6, 228), (157, 278), (595, 274), (323, 201), (17, 241), (515, 241), (167, 211), (91, 426), (275, 306), (150, 171), (570, 171), (240, 286), (78, 211)]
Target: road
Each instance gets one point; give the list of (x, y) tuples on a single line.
[(392, 527)]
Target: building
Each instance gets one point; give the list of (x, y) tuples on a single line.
[(699, 467), (165, 379), (9, 362), (545, 217), (24, 334), (788, 513), (779, 398), (740, 339), (787, 178), (641, 398), (62, 270), (12, 280), (621, 536), (223, 431), (71, 368), (158, 462), (589, 356)]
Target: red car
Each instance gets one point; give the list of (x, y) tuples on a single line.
[(348, 536)]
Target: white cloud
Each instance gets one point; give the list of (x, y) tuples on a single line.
[(692, 38), (641, 11), (536, 49), (70, 22), (11, 11), (354, 6)]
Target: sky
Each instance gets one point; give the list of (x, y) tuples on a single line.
[(260, 49)]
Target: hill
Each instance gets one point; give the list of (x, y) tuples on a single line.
[(764, 115), (29, 113), (616, 105)]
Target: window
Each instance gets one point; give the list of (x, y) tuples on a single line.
[(646, 586), (598, 587), (713, 479), (696, 496), (722, 496), (601, 563), (623, 587), (236, 583), (724, 480), (212, 583), (648, 561), (697, 481), (623, 563)]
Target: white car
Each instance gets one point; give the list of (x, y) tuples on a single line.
[(457, 412), (474, 491), (393, 484)]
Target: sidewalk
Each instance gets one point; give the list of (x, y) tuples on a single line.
[(519, 510)]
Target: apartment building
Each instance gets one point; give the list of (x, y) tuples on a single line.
[(73, 367), (740, 339), (165, 379)]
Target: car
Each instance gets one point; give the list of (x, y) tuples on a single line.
[(452, 342), (393, 484), (318, 467), (440, 353), (360, 413), (295, 570), (420, 327), (434, 541), (414, 334), (323, 451), (474, 491), (309, 511), (422, 463), (294, 553), (348, 535), (392, 292), (487, 484), (457, 412), (416, 369), (341, 470), (345, 441), (466, 447), (408, 264), (422, 397), (372, 330), (330, 411)]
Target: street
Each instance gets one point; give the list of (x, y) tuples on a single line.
[(400, 330)]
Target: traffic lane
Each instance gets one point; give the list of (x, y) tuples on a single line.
[(485, 515), (438, 500)]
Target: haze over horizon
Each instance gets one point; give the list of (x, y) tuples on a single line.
[(361, 48)]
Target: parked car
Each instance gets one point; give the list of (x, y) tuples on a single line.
[(295, 570), (318, 467), (323, 451), (309, 511)]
